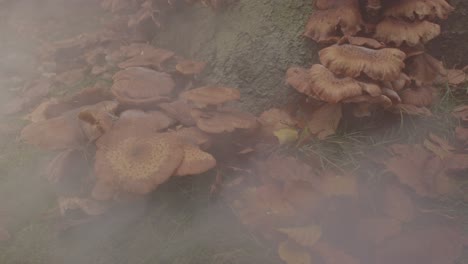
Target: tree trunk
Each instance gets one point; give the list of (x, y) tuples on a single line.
[(249, 46), (252, 44)]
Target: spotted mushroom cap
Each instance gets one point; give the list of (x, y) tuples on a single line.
[(138, 86), (352, 61), (193, 136), (211, 95), (196, 161), (216, 122), (418, 9), (397, 32), (138, 165)]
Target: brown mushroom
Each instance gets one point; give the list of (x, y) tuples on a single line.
[(136, 123), (395, 31), (180, 111), (216, 122), (419, 96), (210, 96), (97, 119), (275, 119), (418, 9), (59, 133), (67, 172), (141, 87), (193, 136), (138, 165), (352, 61), (188, 67), (362, 41), (323, 24), (424, 69), (326, 86), (147, 56), (195, 161), (398, 84)]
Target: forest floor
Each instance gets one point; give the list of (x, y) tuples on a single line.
[(180, 223)]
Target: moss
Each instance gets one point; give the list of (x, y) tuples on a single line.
[(249, 46)]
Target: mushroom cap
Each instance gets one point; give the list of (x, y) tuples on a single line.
[(68, 171), (395, 31), (211, 95), (97, 119), (179, 110), (138, 165), (217, 122), (424, 68), (59, 133), (147, 57), (135, 123), (326, 86), (193, 136), (362, 41), (196, 161), (398, 84), (418, 9), (350, 60), (420, 96), (322, 25), (188, 67), (138, 86), (275, 119), (300, 79)]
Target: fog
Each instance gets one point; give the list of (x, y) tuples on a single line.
[(186, 220)]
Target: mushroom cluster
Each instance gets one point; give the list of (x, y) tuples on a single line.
[(142, 124), (375, 54)]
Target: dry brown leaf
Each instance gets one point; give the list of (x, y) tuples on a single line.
[(333, 185), (305, 236), (434, 245), (332, 255), (397, 204), (324, 121), (461, 112), (293, 254), (456, 77), (377, 229)]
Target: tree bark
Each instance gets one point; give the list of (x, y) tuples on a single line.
[(252, 43)]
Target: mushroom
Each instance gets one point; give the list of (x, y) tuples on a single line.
[(195, 161), (136, 123), (210, 96), (362, 41), (419, 96), (59, 133), (275, 119), (193, 136), (394, 31), (67, 172), (418, 9), (216, 122), (350, 60), (179, 110), (326, 86), (97, 119), (138, 165), (190, 68), (322, 25), (424, 68), (147, 57), (141, 87), (398, 84)]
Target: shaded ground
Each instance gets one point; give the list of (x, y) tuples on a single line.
[(180, 224)]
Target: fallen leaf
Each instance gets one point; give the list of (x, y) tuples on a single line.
[(305, 236), (434, 245), (324, 121), (293, 254), (377, 229), (397, 204), (332, 255), (333, 185), (456, 77), (286, 135)]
